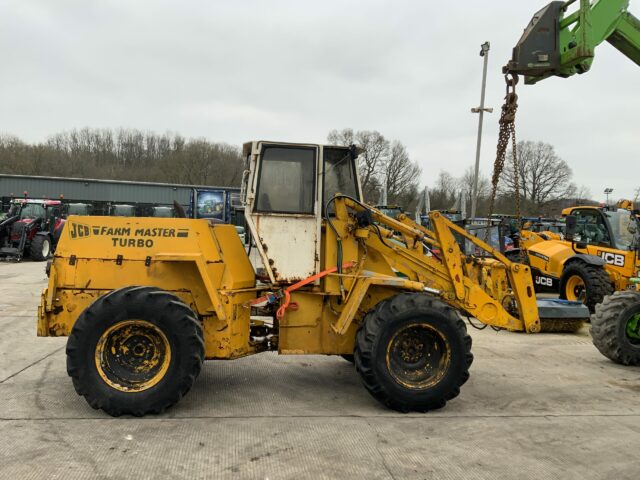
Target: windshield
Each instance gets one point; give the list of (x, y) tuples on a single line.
[(339, 175), (78, 209), (392, 212), (164, 212), (13, 210), (32, 210), (621, 222), (123, 211)]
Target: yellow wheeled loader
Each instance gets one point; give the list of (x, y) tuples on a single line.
[(145, 300)]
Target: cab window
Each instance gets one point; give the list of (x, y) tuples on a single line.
[(591, 228), (32, 210), (286, 183), (622, 228), (339, 174)]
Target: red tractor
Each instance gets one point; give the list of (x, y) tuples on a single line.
[(32, 227)]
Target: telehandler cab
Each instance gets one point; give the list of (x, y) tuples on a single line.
[(145, 300)]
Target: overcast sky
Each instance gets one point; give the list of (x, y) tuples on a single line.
[(239, 70)]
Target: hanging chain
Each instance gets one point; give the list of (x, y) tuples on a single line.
[(507, 133), (516, 173)]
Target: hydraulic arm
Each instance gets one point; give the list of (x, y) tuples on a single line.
[(559, 43)]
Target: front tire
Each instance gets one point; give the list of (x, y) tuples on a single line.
[(615, 328), (413, 352), (136, 350), (586, 283), (40, 248)]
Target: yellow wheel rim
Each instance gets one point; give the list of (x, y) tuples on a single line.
[(418, 356), (575, 288), (133, 355)]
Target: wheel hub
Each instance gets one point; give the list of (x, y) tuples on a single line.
[(132, 355), (418, 356), (632, 328), (575, 289)]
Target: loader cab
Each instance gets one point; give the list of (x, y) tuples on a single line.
[(286, 188)]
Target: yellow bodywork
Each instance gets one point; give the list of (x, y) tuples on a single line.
[(549, 254), (98, 254), (207, 267)]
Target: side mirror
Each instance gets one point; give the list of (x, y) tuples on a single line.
[(571, 226)]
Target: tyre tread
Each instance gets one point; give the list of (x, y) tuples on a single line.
[(370, 330)]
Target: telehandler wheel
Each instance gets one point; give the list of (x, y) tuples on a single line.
[(587, 283), (136, 350), (615, 327), (348, 358), (40, 248), (413, 352)]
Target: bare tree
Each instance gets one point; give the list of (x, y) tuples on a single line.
[(124, 154), (371, 161), (402, 175), (582, 193), (465, 182), (543, 176), (443, 194), (341, 137)]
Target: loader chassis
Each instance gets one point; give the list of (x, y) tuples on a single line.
[(145, 300)]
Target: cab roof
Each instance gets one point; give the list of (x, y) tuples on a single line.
[(36, 201)]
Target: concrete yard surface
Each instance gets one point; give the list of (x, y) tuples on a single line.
[(542, 406)]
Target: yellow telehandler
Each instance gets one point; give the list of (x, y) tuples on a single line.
[(145, 300), (598, 256)]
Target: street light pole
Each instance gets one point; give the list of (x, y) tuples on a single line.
[(484, 52)]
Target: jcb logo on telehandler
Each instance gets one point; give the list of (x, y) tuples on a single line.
[(544, 281), (612, 258), (77, 230)]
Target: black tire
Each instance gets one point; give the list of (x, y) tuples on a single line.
[(391, 357), (145, 326), (40, 248), (595, 278), (609, 327), (349, 358)]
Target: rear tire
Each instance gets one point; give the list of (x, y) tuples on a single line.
[(615, 328), (595, 281), (136, 350), (40, 248), (413, 352)]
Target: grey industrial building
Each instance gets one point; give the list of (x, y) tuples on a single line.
[(102, 193)]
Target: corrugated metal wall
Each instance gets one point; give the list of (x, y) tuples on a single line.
[(94, 190)]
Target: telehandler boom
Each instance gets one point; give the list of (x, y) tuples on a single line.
[(558, 43), (145, 300)]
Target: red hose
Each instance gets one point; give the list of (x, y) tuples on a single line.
[(287, 297)]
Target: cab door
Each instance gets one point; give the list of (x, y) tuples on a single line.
[(282, 208), (595, 231)]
